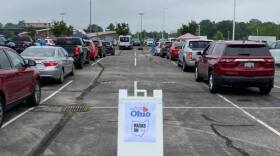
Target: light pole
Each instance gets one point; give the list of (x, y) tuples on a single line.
[(234, 18), (199, 30), (163, 24), (141, 28), (90, 16), (62, 14)]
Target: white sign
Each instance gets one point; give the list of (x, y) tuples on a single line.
[(140, 121), (140, 124)]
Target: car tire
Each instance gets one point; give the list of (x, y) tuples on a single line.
[(2, 113), (198, 78), (185, 67), (265, 90), (61, 78), (35, 98), (213, 86), (73, 71)]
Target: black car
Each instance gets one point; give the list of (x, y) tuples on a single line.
[(136, 42), (109, 48), (165, 48), (22, 42), (76, 49)]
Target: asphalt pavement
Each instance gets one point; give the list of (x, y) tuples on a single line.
[(236, 122)]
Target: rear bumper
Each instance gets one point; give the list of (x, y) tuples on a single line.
[(50, 73), (246, 81)]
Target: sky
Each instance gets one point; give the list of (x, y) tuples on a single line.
[(177, 12)]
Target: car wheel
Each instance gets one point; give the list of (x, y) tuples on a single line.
[(197, 76), (61, 78), (213, 87), (73, 71), (35, 98), (1, 111), (265, 90)]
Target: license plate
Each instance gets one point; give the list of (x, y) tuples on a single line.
[(249, 65)]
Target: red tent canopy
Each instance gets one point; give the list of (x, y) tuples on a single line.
[(188, 36)]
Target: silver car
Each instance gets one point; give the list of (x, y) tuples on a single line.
[(275, 52), (52, 62), (188, 53)]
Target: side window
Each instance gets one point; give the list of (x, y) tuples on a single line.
[(16, 60), (273, 45), (4, 61), (65, 52), (206, 49), (218, 50), (60, 53), (210, 50), (277, 45)]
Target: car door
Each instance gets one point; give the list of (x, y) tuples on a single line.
[(204, 62), (69, 61), (8, 78), (24, 74)]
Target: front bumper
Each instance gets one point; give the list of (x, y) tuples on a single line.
[(257, 81)]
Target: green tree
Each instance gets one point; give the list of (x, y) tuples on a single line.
[(207, 28), (9, 34), (122, 29), (60, 29), (111, 27), (193, 27), (1, 25), (31, 31), (94, 28), (218, 36)]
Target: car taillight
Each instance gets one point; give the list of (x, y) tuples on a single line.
[(76, 51), (50, 63), (269, 60), (189, 55)]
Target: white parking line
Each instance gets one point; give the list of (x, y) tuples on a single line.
[(174, 63), (135, 59), (32, 108), (94, 63), (276, 86), (250, 115)]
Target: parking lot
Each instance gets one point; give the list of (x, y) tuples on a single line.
[(236, 122)]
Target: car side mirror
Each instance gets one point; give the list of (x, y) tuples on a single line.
[(30, 63)]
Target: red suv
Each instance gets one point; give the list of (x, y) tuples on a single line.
[(93, 51), (19, 81), (231, 63)]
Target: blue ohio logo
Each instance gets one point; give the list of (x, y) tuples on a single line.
[(140, 112)]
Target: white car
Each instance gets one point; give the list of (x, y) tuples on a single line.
[(149, 42), (49, 42), (275, 51), (125, 42)]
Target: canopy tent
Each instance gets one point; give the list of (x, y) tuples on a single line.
[(188, 36), (81, 35)]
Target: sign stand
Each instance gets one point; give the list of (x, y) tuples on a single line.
[(140, 123)]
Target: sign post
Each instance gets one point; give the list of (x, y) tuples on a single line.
[(140, 124)]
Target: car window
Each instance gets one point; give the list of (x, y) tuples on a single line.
[(69, 41), (273, 45), (218, 49), (198, 44), (4, 61), (16, 60), (65, 52), (277, 45), (61, 53), (39, 52), (210, 50), (247, 50)]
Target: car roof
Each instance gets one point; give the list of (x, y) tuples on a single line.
[(240, 42), (44, 47)]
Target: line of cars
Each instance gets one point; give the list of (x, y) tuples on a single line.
[(21, 73), (226, 63)]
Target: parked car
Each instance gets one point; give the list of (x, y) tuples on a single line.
[(236, 63), (109, 48), (49, 42), (136, 42), (188, 53), (6, 43), (76, 48), (101, 49), (52, 62), (21, 43), (19, 81), (93, 50), (125, 42), (149, 42), (158, 48), (174, 50), (275, 52), (165, 48)]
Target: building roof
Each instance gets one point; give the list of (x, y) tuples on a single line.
[(106, 33), (188, 36)]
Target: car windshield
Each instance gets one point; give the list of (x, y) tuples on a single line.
[(68, 41), (38, 52), (247, 50), (198, 44), (106, 43), (124, 39)]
